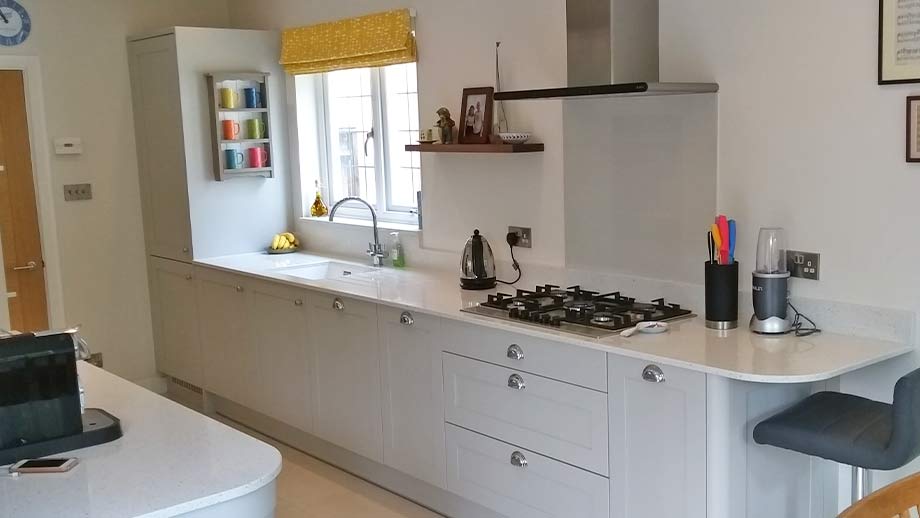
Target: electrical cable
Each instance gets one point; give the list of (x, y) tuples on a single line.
[(798, 326), (512, 240)]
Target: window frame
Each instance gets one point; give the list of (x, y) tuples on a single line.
[(382, 172)]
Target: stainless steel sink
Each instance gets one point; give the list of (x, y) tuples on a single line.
[(329, 270)]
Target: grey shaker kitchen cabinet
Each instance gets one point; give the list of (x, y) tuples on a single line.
[(346, 357), (657, 439), (174, 311), (412, 390)]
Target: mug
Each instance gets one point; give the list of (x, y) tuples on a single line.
[(258, 157), (231, 129), (233, 158), (229, 98), (255, 128), (252, 98)]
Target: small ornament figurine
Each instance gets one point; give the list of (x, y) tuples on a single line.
[(446, 124)]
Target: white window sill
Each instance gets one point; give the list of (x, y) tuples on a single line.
[(354, 222)]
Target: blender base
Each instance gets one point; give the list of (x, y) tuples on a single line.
[(770, 326)]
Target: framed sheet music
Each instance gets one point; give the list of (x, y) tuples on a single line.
[(898, 41)]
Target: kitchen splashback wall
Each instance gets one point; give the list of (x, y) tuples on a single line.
[(84, 63), (456, 50), (810, 142)]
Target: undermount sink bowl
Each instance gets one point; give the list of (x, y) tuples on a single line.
[(331, 270)]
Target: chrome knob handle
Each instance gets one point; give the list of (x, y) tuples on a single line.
[(29, 266), (338, 305), (298, 302), (406, 319), (185, 250), (516, 382), (518, 459), (515, 352), (188, 277), (239, 289), (653, 374)]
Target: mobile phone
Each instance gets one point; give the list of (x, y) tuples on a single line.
[(43, 466)]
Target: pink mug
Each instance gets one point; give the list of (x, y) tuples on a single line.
[(258, 157)]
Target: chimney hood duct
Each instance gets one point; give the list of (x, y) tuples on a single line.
[(612, 50)]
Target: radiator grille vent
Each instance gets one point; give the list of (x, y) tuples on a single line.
[(186, 385)]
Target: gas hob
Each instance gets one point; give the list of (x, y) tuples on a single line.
[(577, 311)]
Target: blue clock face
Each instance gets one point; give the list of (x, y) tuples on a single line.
[(15, 23)]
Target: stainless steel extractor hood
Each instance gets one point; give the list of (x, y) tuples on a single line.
[(612, 50)]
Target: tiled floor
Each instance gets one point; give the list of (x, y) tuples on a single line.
[(309, 488)]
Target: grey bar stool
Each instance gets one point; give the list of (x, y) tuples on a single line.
[(851, 430)]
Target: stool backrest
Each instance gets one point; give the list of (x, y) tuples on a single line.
[(896, 500), (904, 445)]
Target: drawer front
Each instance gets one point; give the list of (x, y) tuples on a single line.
[(490, 473), (559, 420), (569, 363)]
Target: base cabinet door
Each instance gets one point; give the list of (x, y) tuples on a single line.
[(279, 335), (231, 363), (347, 403), (175, 319), (413, 403), (519, 483), (657, 440)]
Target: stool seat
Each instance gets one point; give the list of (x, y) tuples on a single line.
[(844, 428), (850, 429)]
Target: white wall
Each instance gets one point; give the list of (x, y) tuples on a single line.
[(810, 142), (82, 48), (456, 50)]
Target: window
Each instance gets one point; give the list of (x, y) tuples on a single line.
[(363, 118)]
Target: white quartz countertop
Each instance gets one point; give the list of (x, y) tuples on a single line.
[(737, 354), (170, 461)]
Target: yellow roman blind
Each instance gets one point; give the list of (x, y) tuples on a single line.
[(367, 41)]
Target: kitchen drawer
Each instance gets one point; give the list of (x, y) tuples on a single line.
[(489, 472), (556, 419), (569, 363)]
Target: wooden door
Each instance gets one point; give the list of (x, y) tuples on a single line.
[(19, 231), (413, 395), (347, 403), (657, 440)]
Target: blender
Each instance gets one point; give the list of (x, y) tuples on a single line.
[(771, 284)]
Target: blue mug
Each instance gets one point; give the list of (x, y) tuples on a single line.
[(233, 159), (252, 97)]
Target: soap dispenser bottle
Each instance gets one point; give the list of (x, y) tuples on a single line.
[(397, 253)]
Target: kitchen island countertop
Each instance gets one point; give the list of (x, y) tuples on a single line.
[(171, 461), (736, 354)]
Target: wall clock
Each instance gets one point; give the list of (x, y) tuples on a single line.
[(15, 23)]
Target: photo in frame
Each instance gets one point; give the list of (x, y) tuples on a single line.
[(898, 42), (913, 128), (476, 115)]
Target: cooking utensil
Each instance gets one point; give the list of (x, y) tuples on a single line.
[(732, 236), (723, 232), (650, 327), (717, 240), (712, 247)]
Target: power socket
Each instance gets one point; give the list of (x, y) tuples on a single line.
[(78, 191), (804, 265), (525, 237)]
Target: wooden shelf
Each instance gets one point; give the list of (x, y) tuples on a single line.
[(246, 141), (476, 148), (243, 110)]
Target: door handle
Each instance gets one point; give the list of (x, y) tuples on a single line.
[(29, 266)]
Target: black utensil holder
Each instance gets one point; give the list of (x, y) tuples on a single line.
[(721, 295)]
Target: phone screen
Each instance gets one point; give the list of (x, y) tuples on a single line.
[(43, 463)]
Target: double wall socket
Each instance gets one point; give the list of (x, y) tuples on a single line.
[(804, 265), (525, 237)]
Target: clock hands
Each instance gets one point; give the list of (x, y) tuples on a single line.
[(3, 16)]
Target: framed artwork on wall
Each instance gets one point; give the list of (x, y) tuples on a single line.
[(898, 42), (913, 128), (476, 115)]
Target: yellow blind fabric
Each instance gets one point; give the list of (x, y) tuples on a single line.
[(367, 41)]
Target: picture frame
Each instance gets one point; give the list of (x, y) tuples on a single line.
[(476, 115), (912, 148), (898, 42)]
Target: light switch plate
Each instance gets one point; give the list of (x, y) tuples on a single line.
[(78, 192), (804, 265)]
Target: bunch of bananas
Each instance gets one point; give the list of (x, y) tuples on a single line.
[(285, 241)]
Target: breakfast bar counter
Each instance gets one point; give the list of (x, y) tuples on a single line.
[(171, 461)]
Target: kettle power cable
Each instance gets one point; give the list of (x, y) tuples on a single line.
[(512, 240)]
